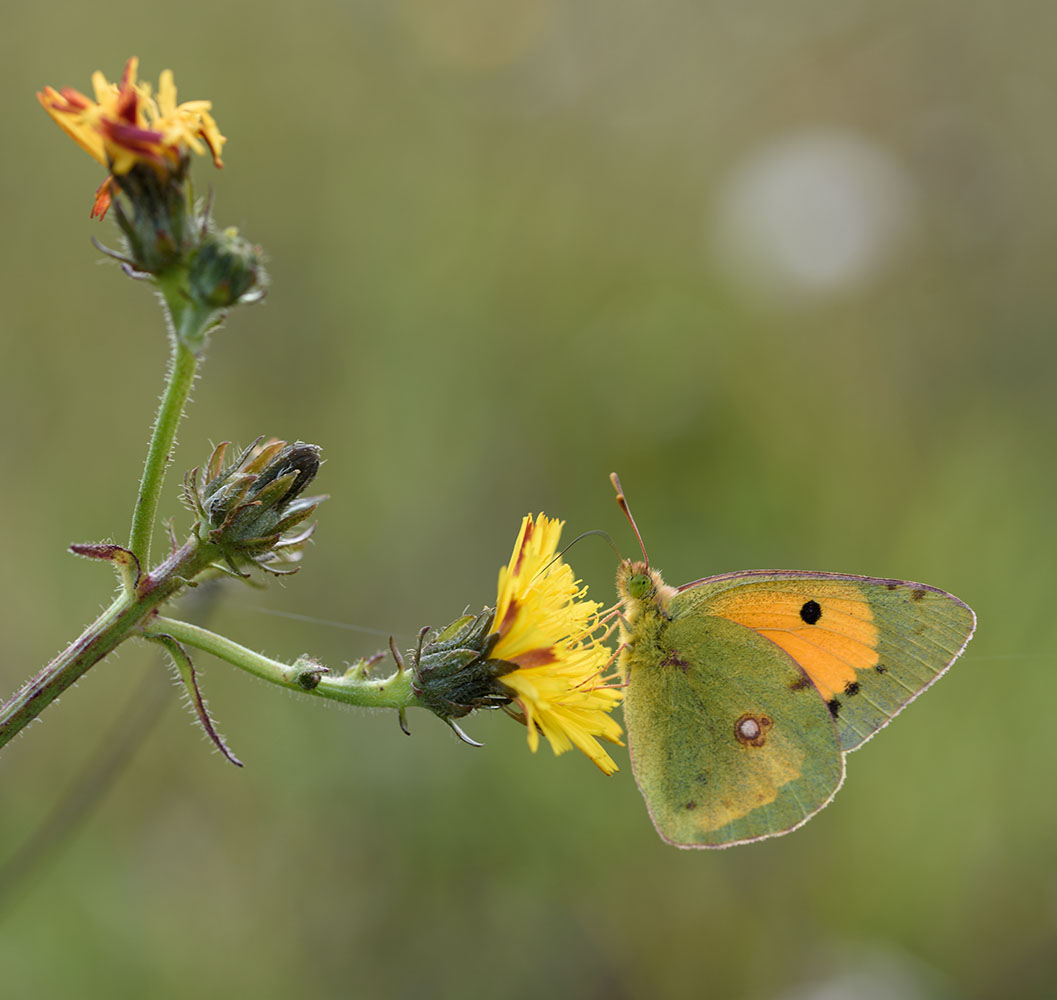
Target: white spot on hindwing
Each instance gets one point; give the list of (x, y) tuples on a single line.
[(751, 730)]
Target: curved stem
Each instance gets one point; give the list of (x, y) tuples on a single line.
[(123, 618), (183, 365), (303, 675)]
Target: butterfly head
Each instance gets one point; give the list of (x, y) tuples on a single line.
[(640, 586), (638, 581)]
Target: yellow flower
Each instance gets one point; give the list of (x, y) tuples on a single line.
[(552, 635), (125, 126)]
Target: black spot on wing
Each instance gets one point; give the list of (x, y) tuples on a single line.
[(851, 688), (811, 612), (834, 707)]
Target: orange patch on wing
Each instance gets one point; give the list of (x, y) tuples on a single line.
[(842, 640)]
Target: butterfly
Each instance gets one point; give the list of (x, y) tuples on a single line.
[(746, 690)]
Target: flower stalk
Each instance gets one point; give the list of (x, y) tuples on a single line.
[(305, 674), (145, 141), (183, 366), (124, 618)]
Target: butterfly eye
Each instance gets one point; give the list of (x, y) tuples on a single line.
[(640, 586)]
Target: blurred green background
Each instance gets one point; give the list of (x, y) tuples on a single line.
[(788, 268)]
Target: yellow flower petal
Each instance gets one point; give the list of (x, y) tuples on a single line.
[(166, 92), (551, 633), (67, 110)]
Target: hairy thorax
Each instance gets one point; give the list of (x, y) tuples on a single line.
[(644, 615)]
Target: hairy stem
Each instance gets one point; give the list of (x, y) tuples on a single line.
[(181, 376), (124, 618), (303, 675)]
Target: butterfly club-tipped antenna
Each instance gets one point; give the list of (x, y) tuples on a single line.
[(622, 500)]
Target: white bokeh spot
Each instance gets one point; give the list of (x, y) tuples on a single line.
[(817, 212)]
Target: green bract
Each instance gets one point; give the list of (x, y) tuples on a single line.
[(249, 508)]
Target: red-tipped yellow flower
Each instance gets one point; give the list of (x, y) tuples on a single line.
[(126, 126)]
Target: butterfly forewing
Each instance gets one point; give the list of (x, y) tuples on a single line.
[(868, 646)]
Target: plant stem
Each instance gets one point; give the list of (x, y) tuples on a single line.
[(352, 688), (183, 365), (142, 592), (123, 618)]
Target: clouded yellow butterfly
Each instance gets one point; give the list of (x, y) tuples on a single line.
[(746, 690)]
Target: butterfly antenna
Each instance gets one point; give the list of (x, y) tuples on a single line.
[(622, 500), (582, 535)]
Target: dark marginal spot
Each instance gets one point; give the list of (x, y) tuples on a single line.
[(751, 730), (672, 659), (891, 586), (852, 687), (811, 612), (690, 805), (881, 668), (802, 682), (834, 707), (916, 595)]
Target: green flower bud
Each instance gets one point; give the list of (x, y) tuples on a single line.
[(249, 508), (226, 269)]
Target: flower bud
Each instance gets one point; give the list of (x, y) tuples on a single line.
[(248, 508), (226, 269)]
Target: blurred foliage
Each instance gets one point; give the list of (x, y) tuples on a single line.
[(497, 277)]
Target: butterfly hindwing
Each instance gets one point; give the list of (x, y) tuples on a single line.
[(724, 746), (868, 646)]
